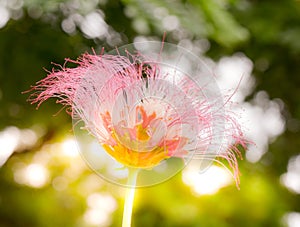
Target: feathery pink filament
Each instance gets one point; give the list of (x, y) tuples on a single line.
[(136, 102)]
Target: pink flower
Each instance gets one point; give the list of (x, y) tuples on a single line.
[(143, 112)]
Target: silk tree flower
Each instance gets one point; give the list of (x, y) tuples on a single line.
[(146, 107), (141, 111)]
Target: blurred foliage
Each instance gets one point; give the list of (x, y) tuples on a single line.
[(268, 32)]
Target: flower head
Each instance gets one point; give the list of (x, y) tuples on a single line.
[(144, 111)]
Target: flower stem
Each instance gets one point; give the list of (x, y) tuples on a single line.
[(129, 197)]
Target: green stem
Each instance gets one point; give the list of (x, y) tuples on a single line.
[(129, 197)]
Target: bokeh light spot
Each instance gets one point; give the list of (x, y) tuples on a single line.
[(4, 16), (292, 219), (33, 175), (69, 148), (208, 182), (100, 209), (291, 179)]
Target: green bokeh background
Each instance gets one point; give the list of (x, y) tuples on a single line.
[(267, 32)]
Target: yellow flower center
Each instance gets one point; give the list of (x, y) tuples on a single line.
[(132, 147)]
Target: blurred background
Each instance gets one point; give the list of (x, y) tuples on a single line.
[(45, 183)]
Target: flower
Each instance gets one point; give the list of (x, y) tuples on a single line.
[(144, 111)]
